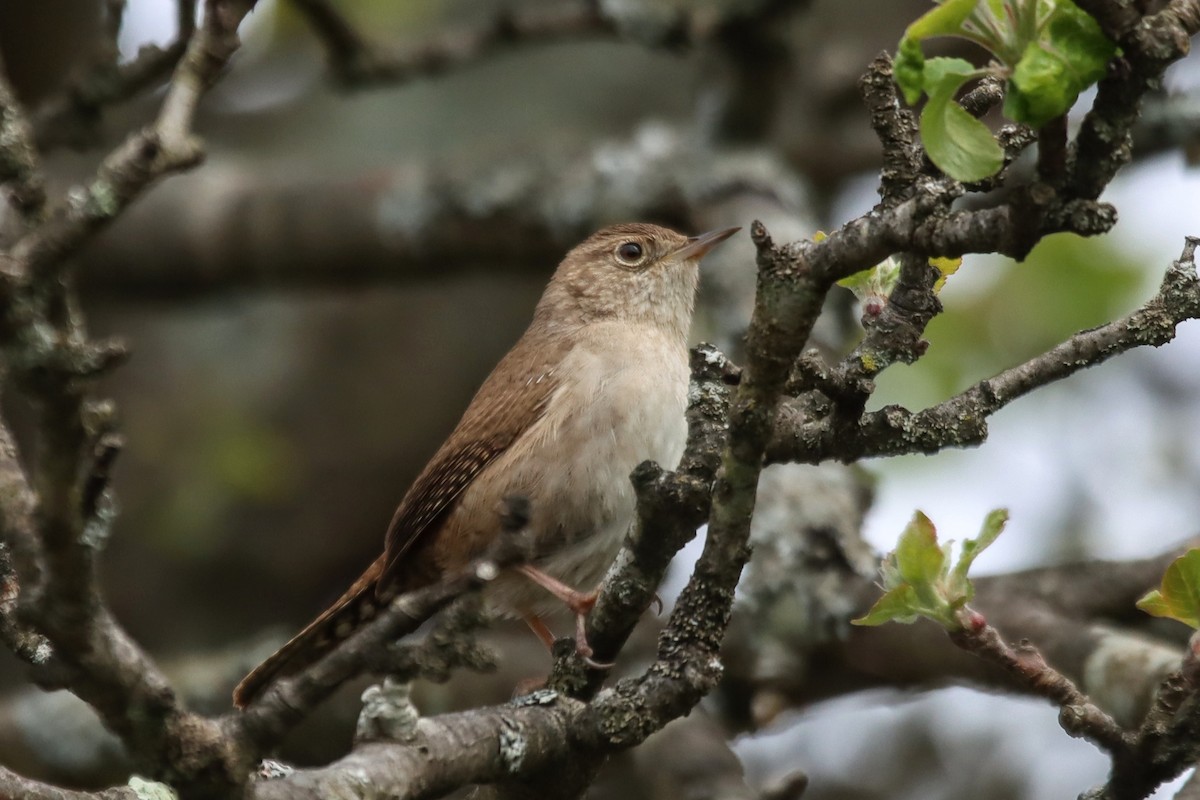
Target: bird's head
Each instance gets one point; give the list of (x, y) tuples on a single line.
[(632, 271)]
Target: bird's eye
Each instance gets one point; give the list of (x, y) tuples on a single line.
[(629, 252)]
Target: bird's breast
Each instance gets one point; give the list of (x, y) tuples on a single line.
[(619, 400)]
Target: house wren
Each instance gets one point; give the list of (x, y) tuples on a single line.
[(596, 385)]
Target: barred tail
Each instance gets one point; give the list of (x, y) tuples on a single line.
[(354, 608)]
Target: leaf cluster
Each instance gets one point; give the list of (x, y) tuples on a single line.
[(1047, 51), (920, 579)]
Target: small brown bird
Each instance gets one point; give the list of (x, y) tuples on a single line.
[(596, 385)]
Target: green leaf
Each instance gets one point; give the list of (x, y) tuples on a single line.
[(878, 281), (960, 145), (1178, 597), (859, 282), (919, 558), (898, 605), (909, 70), (1070, 56), (945, 20), (945, 266), (917, 580), (1074, 33), (1154, 604), (993, 525), (947, 74), (889, 573)]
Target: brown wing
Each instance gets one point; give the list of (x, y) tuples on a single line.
[(512, 398)]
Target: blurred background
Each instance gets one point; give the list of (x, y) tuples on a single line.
[(306, 327)]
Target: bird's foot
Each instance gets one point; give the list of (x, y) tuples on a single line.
[(580, 603)]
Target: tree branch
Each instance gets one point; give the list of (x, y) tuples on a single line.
[(13, 785), (961, 420), (265, 721), (1104, 142), (50, 357), (71, 118), (20, 174), (1079, 716)]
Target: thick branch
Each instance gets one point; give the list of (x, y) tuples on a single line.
[(479, 746), (13, 785)]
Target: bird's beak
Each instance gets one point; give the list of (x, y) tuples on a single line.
[(697, 246)]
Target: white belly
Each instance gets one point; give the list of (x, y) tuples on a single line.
[(620, 401)]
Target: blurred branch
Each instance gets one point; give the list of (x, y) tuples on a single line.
[(231, 230), (779, 661), (1169, 122), (20, 173), (71, 118), (691, 758), (13, 785), (357, 62)]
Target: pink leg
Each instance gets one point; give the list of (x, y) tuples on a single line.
[(540, 629), (580, 604), (577, 601)]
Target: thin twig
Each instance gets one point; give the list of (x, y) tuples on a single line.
[(1052, 150), (264, 721), (20, 175), (72, 116), (961, 421), (670, 507), (1078, 715)]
